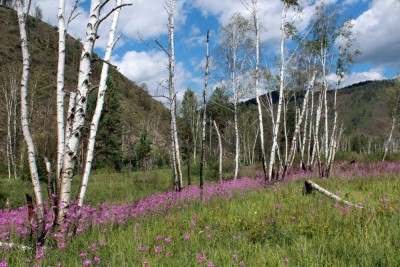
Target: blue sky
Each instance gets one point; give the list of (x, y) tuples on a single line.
[(376, 24)]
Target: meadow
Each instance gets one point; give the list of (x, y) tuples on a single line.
[(234, 223)]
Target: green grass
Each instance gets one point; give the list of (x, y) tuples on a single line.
[(103, 187), (273, 224), (107, 186)]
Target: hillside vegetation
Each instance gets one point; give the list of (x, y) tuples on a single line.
[(138, 108)]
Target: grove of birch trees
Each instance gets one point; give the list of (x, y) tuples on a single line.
[(293, 122)]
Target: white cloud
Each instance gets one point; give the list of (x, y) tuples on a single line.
[(269, 15), (377, 30), (149, 18), (144, 67), (50, 10), (151, 68), (356, 77)]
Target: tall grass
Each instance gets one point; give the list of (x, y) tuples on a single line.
[(273, 226)]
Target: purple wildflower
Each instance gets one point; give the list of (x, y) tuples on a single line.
[(201, 257), (158, 249)]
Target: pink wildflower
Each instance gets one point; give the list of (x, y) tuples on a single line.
[(87, 263), (158, 249), (187, 236), (201, 257)]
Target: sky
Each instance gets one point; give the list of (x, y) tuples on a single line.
[(375, 23)]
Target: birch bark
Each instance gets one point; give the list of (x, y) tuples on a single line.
[(172, 93), (62, 33), (72, 146), (257, 87), (203, 122), (281, 88), (25, 124), (220, 152), (99, 106)]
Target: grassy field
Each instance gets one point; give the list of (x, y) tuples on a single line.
[(273, 226)]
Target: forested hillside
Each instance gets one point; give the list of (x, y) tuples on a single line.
[(128, 109)]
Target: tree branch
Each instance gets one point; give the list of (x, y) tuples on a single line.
[(112, 11)]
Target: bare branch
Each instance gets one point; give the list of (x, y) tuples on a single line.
[(160, 46), (71, 15), (112, 11), (29, 7)]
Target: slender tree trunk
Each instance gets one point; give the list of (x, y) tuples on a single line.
[(172, 93), (334, 136), (220, 152), (25, 125), (203, 122), (316, 149), (281, 88), (310, 142), (72, 146), (257, 79), (99, 107), (9, 144), (188, 160), (62, 32), (387, 143), (237, 141), (300, 121)]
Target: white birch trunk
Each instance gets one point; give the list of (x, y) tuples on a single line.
[(257, 79), (99, 106), (334, 136), (325, 90), (25, 125), (237, 141), (172, 93), (310, 131), (220, 152), (62, 33), (203, 122), (72, 146), (300, 121), (316, 149), (386, 148), (281, 88)]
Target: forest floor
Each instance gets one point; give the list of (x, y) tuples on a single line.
[(234, 223)]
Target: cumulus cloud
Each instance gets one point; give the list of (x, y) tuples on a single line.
[(269, 15), (356, 77), (377, 30), (149, 18), (150, 67)]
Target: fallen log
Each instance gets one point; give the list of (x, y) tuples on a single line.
[(310, 186)]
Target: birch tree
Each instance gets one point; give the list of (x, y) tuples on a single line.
[(234, 54), (333, 45), (170, 52), (9, 87), (286, 4), (99, 104), (22, 17), (253, 8), (394, 112), (204, 117), (71, 149)]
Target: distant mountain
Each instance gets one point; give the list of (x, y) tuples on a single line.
[(139, 109), (362, 107)]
